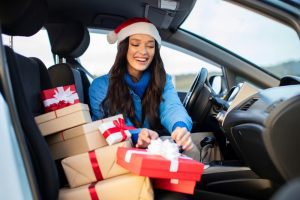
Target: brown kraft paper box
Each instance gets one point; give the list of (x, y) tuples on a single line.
[(94, 166), (124, 187), (64, 118), (77, 140)]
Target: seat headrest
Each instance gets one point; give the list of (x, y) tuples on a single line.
[(68, 40), (22, 18)]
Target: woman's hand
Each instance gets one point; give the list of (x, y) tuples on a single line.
[(183, 138), (145, 136)]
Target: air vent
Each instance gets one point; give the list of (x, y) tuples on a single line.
[(248, 104)]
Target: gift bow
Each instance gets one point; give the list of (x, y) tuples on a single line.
[(120, 123), (167, 149), (61, 95), (120, 126)]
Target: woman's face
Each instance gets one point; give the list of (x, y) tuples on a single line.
[(141, 49)]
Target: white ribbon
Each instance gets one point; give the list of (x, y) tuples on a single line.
[(67, 96), (130, 152), (168, 150), (174, 181)]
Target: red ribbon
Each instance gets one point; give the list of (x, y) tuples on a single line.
[(56, 106), (120, 126), (95, 165), (93, 192)]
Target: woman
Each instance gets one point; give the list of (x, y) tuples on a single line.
[(137, 86)]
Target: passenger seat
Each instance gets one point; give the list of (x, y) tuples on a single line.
[(68, 42), (28, 76)]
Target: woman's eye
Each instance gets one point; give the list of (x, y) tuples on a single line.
[(151, 47), (135, 45)]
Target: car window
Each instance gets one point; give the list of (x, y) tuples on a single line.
[(261, 40), (12, 167), (182, 65), (99, 56), (37, 46)]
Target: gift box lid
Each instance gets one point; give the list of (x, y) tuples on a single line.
[(45, 117), (156, 166), (61, 112), (50, 93), (80, 130)]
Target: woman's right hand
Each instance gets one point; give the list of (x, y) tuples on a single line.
[(145, 137)]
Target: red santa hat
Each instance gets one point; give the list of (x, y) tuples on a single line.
[(131, 27)]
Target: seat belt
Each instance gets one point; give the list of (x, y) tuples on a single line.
[(78, 84)]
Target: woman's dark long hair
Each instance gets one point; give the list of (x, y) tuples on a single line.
[(118, 99)]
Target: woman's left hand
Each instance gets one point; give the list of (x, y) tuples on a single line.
[(183, 138)]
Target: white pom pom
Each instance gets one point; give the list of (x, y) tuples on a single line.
[(112, 37)]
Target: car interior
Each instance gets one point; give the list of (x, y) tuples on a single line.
[(258, 136), (68, 42)]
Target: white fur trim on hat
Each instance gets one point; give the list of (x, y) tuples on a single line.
[(135, 28), (112, 37)]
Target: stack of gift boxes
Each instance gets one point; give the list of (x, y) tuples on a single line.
[(97, 157)]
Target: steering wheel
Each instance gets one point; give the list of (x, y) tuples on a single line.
[(196, 101)]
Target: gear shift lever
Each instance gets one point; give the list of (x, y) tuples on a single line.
[(207, 143), (208, 140)]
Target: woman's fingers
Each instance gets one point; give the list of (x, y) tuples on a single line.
[(178, 133), (183, 138), (188, 145), (145, 137), (153, 134), (181, 135)]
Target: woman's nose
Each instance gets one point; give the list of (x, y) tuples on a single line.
[(143, 49)]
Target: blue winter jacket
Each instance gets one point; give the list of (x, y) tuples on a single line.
[(171, 111)]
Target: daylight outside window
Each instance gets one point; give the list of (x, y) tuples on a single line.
[(37, 46), (263, 41)]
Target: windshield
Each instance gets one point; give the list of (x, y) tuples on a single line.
[(263, 41)]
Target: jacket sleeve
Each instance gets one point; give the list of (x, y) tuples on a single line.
[(171, 109), (97, 93)]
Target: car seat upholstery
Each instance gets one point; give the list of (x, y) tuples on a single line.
[(69, 41), (290, 191), (28, 77)]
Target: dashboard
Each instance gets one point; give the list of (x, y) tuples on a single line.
[(263, 127), (238, 94)]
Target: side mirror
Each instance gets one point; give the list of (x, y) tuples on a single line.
[(216, 84)]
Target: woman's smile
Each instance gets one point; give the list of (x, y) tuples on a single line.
[(141, 60)]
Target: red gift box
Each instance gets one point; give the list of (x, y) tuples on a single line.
[(142, 163), (59, 97), (176, 185), (115, 131)]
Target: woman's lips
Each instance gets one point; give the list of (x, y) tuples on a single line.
[(141, 60)]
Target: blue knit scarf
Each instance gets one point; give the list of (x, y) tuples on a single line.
[(139, 87)]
